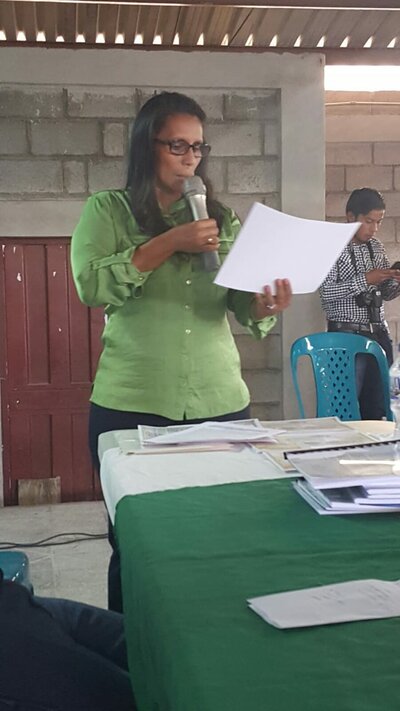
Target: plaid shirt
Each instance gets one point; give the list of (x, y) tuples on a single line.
[(347, 279)]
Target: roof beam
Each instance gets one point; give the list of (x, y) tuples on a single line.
[(383, 5)]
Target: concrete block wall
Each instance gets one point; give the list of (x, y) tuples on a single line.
[(363, 150), (62, 143)]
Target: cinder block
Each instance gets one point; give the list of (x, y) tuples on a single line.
[(336, 204), (392, 310), (387, 230), (264, 385), (272, 139), (75, 177), (353, 110), (397, 178), (102, 102), (115, 139), (252, 353), (348, 153), (37, 216), (211, 102), (253, 176), (393, 255), (260, 355), (379, 177), (397, 223), (106, 175), (392, 201), (216, 173), (389, 109), (64, 137), (362, 128), (334, 178), (31, 103), (13, 139), (235, 139), (267, 412), (273, 200), (241, 204), (387, 153), (30, 176), (252, 105)]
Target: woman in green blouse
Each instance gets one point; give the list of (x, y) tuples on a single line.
[(168, 353)]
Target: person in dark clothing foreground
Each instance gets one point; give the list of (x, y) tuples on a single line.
[(60, 655)]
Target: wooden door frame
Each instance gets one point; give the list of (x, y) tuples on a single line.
[(2, 368), (4, 420)]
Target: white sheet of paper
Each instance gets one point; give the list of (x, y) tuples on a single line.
[(217, 432), (330, 604), (272, 245)]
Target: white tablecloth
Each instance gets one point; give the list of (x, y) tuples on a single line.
[(130, 474)]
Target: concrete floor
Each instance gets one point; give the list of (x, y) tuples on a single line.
[(78, 570)]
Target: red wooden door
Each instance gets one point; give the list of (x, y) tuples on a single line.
[(49, 345)]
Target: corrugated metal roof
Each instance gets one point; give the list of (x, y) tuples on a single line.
[(371, 35)]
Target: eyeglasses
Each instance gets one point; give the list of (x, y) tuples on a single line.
[(181, 147)]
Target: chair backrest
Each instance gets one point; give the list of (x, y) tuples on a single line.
[(15, 567), (333, 361)]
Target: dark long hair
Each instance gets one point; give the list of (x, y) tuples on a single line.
[(142, 166)]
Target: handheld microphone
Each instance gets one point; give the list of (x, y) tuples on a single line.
[(195, 193)]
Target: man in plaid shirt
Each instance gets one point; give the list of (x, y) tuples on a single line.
[(353, 293)]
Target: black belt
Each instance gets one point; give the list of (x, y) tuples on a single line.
[(356, 327)]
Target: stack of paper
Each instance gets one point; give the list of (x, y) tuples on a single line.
[(344, 480), (307, 434), (207, 436)]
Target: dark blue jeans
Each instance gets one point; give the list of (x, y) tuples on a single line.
[(59, 655)]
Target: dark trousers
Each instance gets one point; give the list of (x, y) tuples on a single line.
[(103, 419), (368, 378), (59, 655)]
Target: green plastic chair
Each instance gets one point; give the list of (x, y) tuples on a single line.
[(15, 567), (333, 361)]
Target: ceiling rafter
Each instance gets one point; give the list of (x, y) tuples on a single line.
[(282, 4), (220, 25)]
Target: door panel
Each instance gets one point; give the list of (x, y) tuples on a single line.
[(50, 345)]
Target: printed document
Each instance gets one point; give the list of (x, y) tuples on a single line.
[(272, 245), (330, 604)]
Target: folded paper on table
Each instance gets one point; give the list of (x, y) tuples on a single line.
[(204, 437), (330, 604), (272, 245)]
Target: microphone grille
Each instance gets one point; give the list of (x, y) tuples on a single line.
[(194, 186)]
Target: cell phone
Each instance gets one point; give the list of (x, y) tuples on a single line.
[(396, 265)]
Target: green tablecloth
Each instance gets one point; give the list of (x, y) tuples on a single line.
[(191, 557)]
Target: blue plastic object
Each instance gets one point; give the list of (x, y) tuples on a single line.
[(333, 361), (15, 567)]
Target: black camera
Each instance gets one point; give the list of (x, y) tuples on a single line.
[(373, 301)]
